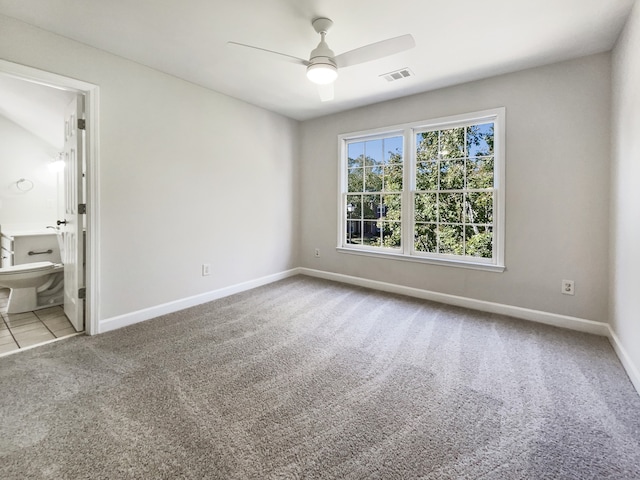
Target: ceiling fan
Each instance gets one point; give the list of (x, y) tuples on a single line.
[(323, 64)]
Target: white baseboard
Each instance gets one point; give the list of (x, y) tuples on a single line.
[(631, 369), (120, 321), (563, 321)]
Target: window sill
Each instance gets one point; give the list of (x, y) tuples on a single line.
[(432, 261)]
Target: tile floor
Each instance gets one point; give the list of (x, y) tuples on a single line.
[(20, 330)]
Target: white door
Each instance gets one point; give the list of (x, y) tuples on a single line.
[(73, 225)]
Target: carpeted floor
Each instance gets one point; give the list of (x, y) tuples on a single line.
[(309, 379)]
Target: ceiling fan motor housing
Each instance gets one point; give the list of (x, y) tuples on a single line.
[(322, 51)]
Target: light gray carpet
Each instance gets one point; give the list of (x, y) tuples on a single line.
[(308, 379)]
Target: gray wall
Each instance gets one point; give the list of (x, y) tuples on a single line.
[(625, 227), (187, 176), (557, 188)]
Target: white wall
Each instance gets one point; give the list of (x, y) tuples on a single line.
[(557, 188), (187, 176), (24, 155), (625, 205)]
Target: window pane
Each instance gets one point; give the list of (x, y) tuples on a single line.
[(450, 239), (392, 207), (479, 241), (480, 172), (427, 146), (371, 233), (373, 152), (392, 150), (451, 174), (355, 179), (391, 234), (480, 140), (479, 207), (450, 207), (355, 154), (355, 149), (425, 207), (354, 206), (427, 176), (370, 206), (354, 231), (392, 178), (373, 179), (425, 238), (452, 143)]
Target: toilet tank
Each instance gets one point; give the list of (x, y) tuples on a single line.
[(29, 247)]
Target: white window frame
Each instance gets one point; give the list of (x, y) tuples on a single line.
[(409, 131)]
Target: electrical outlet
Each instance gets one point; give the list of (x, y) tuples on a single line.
[(568, 288), (206, 269), (317, 252)]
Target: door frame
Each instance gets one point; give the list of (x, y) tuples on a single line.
[(92, 149)]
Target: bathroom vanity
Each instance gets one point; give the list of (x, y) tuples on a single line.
[(28, 246)]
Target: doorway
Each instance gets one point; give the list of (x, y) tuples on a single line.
[(85, 211)]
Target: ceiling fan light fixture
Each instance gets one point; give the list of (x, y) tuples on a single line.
[(322, 73), (323, 63)]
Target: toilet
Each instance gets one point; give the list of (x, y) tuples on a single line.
[(33, 285)]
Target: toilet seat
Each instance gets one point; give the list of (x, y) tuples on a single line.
[(28, 267)]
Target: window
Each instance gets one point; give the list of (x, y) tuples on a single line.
[(441, 202)]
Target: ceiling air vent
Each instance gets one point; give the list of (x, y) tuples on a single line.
[(398, 75)]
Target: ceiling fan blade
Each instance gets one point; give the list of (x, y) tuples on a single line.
[(299, 61), (326, 92), (374, 51)]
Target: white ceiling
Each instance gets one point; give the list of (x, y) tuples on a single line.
[(456, 41)]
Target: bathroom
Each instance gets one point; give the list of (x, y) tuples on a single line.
[(32, 212)]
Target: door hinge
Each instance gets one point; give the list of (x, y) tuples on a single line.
[(82, 124), (82, 208), (82, 293)]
